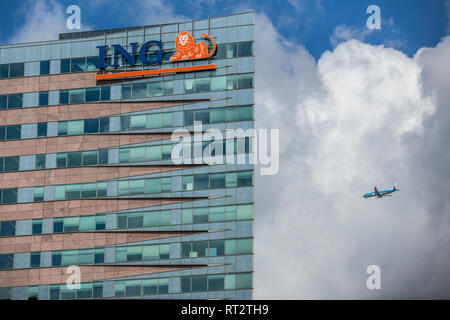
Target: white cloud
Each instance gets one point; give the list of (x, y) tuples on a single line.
[(361, 116), (42, 20)]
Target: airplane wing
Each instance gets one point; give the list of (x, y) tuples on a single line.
[(376, 192)]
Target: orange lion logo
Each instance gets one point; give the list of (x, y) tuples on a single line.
[(188, 50)]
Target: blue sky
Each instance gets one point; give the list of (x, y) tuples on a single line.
[(407, 24)]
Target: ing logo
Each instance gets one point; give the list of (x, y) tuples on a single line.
[(187, 49)]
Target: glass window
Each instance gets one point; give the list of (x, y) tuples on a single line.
[(245, 113), (2, 132), (166, 184), (138, 122), (102, 188), (154, 120), (243, 246), (44, 67), (231, 82), (7, 228), (35, 260), (153, 153), (105, 93), (230, 213), (135, 220), (168, 87), (60, 193), (13, 132), (245, 49), (6, 261), (202, 85), (65, 65), (90, 158), (216, 282), (164, 251), (43, 98), (87, 223), (56, 258), (91, 63), (216, 214), (149, 286), (137, 154), (78, 65), (89, 190), (217, 180), (133, 288), (75, 127), (125, 123), (15, 101), (185, 284), (199, 249), (42, 129), (40, 161), (221, 51), (91, 125), (189, 86), (231, 179), (122, 221), (58, 225), (62, 128), (38, 195), (76, 96), (166, 152), (151, 219), (64, 97), (167, 119), (218, 115), (71, 224), (244, 178), (33, 292), (188, 183), (73, 191), (216, 248), (244, 212), (12, 163), (198, 283), (218, 83), (137, 186), (100, 222), (201, 181), (98, 290), (155, 88), (61, 160), (200, 215), (150, 253), (152, 185), (245, 81), (244, 281), (188, 117), (85, 291), (92, 94), (54, 291), (104, 124), (134, 253), (126, 91), (103, 157), (4, 71), (9, 195), (202, 115), (3, 101), (74, 159), (231, 50), (121, 254), (123, 188), (69, 257), (139, 90), (99, 255), (164, 218), (186, 218), (16, 70)]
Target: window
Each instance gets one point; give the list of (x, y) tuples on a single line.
[(245, 81), (217, 181), (244, 178), (76, 96), (105, 93), (245, 49), (201, 181), (12, 163), (187, 183), (56, 258), (3, 101), (231, 50), (6, 261), (126, 91), (218, 83), (13, 132), (75, 127), (90, 158), (133, 288), (15, 101), (71, 224), (35, 260), (4, 71), (16, 70), (185, 284), (38, 195), (65, 65), (92, 94), (200, 215), (58, 225), (44, 67), (9, 195), (43, 98), (74, 159), (139, 90), (7, 228), (155, 88), (91, 125), (149, 286), (202, 85), (78, 65), (198, 283), (64, 97), (216, 282), (244, 281), (42, 129), (154, 120), (91, 63)]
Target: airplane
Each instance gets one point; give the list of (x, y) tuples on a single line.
[(381, 194)]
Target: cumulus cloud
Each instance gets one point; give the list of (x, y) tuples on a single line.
[(360, 116), (42, 20)]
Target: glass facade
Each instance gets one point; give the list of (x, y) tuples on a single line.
[(157, 213)]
